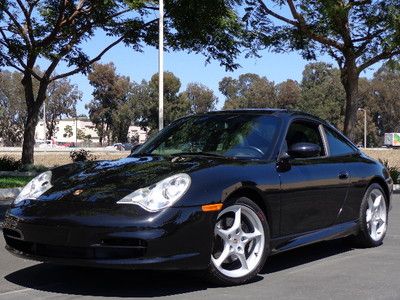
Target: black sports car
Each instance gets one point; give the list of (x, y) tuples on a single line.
[(219, 192)]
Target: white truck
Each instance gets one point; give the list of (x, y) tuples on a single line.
[(392, 139)]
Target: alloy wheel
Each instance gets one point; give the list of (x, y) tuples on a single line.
[(239, 241), (376, 215)]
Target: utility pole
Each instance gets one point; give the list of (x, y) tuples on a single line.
[(44, 122), (365, 126), (161, 67)]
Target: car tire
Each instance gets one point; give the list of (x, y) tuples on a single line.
[(248, 244), (373, 218)]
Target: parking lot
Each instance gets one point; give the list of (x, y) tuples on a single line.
[(330, 270)]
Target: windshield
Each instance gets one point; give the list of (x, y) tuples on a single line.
[(228, 135)]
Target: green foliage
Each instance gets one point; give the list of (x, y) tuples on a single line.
[(356, 34), (55, 32), (13, 181), (249, 91), (8, 163), (68, 131), (144, 101), (12, 108), (288, 94), (109, 109), (322, 93), (81, 155), (61, 100), (201, 99)]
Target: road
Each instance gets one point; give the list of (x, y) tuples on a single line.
[(329, 270)]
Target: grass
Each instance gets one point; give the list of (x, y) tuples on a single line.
[(7, 182)]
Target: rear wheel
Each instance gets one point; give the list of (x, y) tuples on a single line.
[(241, 243), (373, 217)]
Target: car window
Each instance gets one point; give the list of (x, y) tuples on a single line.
[(337, 144), (304, 132), (230, 135)]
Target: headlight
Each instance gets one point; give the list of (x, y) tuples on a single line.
[(160, 195), (36, 187)]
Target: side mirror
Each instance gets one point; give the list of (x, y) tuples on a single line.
[(304, 150)]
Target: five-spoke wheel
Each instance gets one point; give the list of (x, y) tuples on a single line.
[(376, 214), (240, 242), (373, 217)]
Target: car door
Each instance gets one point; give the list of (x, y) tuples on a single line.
[(313, 189)]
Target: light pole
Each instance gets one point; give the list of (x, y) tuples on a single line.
[(365, 125), (44, 122), (161, 67)]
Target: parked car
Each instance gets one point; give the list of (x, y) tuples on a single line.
[(116, 146), (218, 192)]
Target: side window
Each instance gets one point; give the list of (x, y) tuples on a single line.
[(337, 145), (304, 132)]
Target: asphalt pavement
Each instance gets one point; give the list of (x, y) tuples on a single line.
[(329, 270)]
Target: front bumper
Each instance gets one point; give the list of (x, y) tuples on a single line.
[(115, 237)]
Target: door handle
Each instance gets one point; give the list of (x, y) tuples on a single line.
[(343, 175)]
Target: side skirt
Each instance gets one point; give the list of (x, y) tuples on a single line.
[(282, 244)]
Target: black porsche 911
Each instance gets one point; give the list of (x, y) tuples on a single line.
[(218, 192)]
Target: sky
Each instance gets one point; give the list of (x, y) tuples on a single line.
[(188, 67)]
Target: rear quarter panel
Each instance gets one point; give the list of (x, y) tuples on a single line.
[(363, 171)]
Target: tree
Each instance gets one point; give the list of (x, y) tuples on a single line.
[(12, 112), (55, 31), (68, 131), (107, 109), (200, 98), (288, 94), (249, 91), (355, 33), (385, 89), (145, 101), (62, 97), (322, 93)]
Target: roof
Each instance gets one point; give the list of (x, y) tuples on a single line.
[(266, 111)]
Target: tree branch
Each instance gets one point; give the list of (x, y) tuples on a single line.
[(96, 58), (11, 63), (19, 27), (377, 58), (275, 15), (303, 26), (28, 21)]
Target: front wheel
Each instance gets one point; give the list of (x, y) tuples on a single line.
[(373, 217), (241, 243)]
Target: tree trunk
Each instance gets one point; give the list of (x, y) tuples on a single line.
[(350, 78), (33, 110), (29, 138)]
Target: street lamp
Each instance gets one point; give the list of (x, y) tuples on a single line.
[(365, 125), (161, 67)]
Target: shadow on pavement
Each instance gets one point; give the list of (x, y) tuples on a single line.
[(123, 283), (305, 255)]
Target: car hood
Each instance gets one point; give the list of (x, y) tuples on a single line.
[(109, 181)]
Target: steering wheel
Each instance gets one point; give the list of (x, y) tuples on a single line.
[(252, 148), (255, 149)]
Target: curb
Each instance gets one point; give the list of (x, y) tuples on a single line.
[(8, 194)]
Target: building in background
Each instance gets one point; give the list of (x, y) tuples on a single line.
[(82, 132)]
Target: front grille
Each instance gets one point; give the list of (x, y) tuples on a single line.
[(96, 252)]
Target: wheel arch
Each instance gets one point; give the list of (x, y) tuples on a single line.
[(383, 184), (257, 197)]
